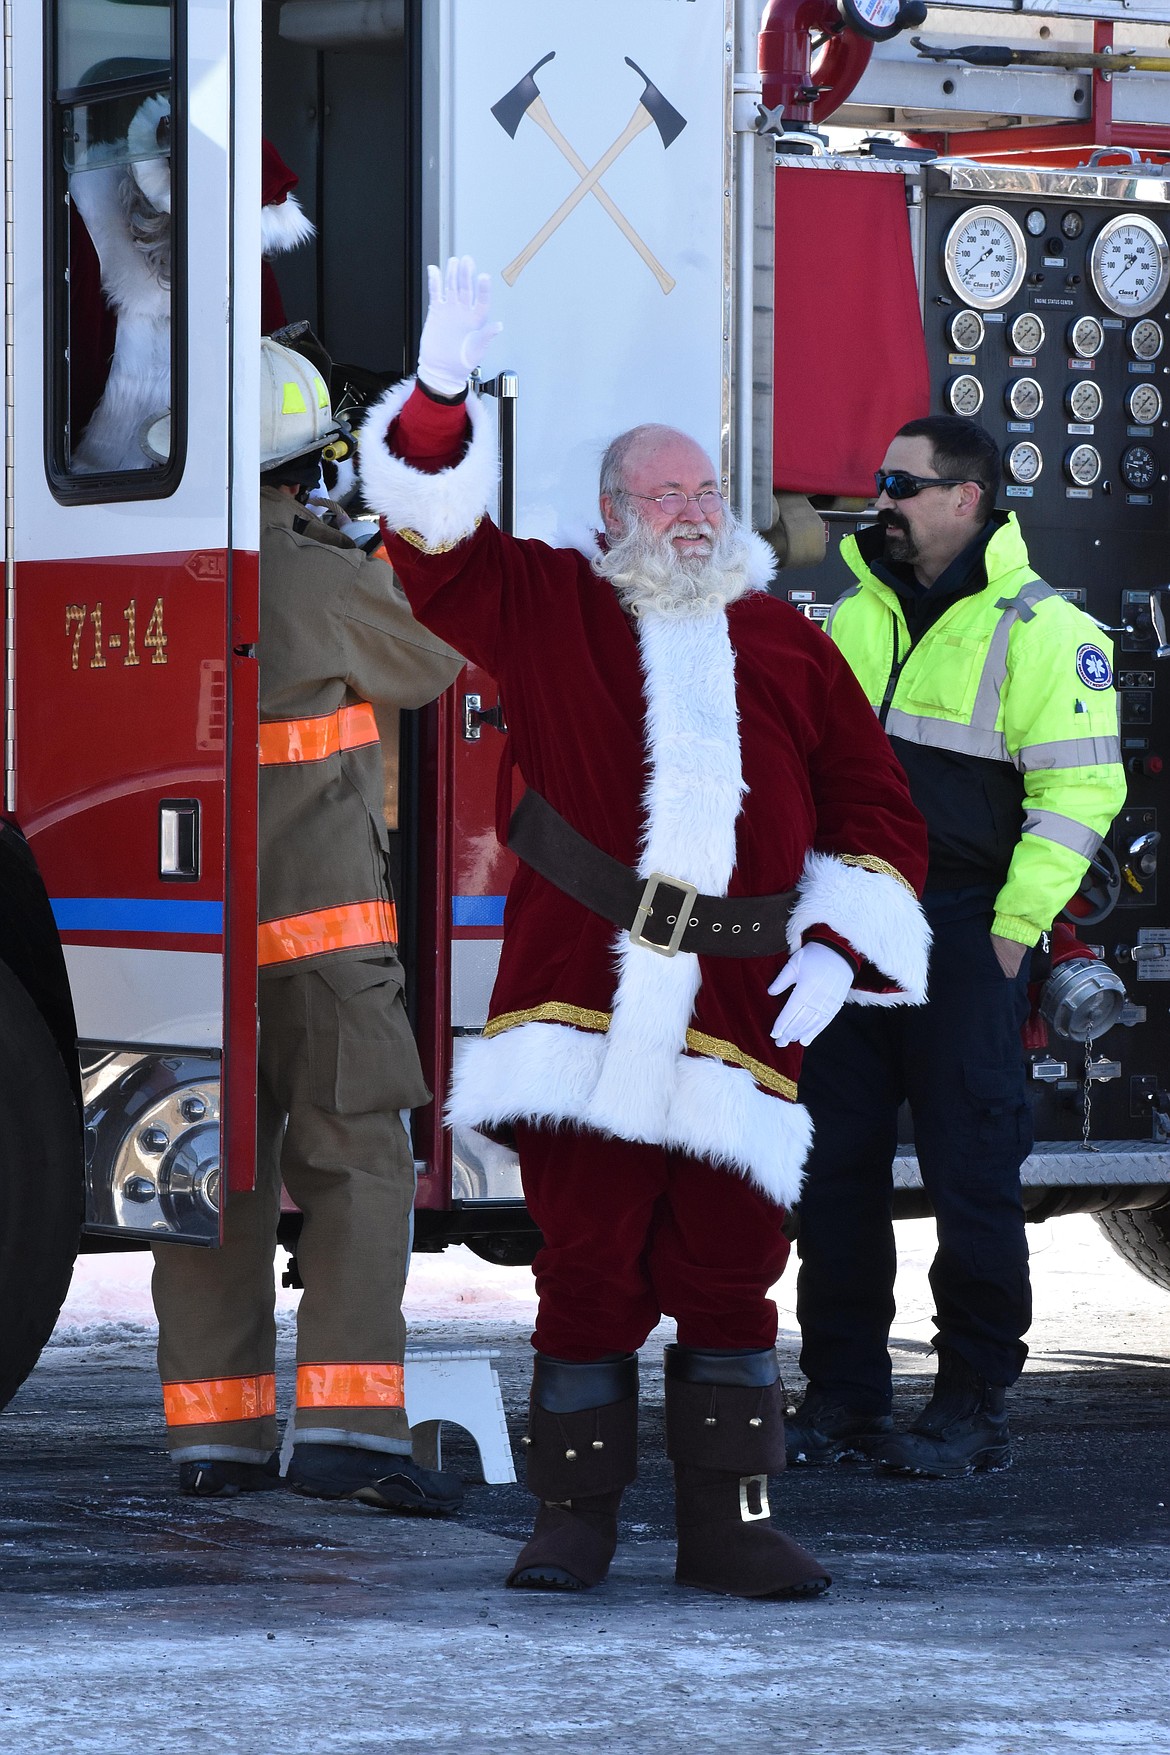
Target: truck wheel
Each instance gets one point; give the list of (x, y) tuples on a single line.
[(41, 1184), (1143, 1240)]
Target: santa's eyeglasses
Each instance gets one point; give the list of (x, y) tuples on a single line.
[(675, 504), (899, 484)]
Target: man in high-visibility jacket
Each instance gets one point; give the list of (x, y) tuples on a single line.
[(337, 1059), (998, 697)]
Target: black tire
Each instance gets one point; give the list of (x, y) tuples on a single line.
[(1143, 1240), (41, 1183)]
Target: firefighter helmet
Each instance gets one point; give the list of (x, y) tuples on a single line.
[(295, 416)]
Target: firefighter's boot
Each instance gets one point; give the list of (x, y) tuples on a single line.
[(224, 1478), (827, 1429), (373, 1477), (725, 1436), (963, 1427), (582, 1453)]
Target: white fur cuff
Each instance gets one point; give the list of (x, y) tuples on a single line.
[(442, 509), (874, 913)]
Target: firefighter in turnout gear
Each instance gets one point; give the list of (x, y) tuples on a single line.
[(337, 1062), (998, 697)]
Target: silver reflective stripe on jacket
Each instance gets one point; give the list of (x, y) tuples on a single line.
[(1049, 825), (850, 591), (979, 737), (1070, 752), (944, 734)]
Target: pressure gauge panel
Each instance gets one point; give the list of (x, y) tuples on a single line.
[(1144, 404), (1083, 400), (1145, 339), (1024, 398), (1082, 465), (967, 331), (1086, 337), (1024, 462), (1139, 468), (965, 395), (1027, 333), (1129, 264), (985, 257)]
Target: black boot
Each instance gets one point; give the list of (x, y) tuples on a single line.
[(963, 1427), (725, 1436), (582, 1453), (224, 1478), (373, 1477), (826, 1429)]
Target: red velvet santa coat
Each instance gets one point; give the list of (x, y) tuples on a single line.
[(733, 749)]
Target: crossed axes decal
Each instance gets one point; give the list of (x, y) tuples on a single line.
[(652, 110)]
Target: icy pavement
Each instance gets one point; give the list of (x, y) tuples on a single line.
[(1025, 1613)]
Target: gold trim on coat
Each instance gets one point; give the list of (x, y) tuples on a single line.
[(868, 862), (436, 548), (555, 1011)]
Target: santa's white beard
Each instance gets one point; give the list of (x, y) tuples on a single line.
[(648, 573)]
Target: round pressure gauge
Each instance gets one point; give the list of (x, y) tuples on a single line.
[(1027, 333), (1139, 467), (876, 19), (1035, 222), (1144, 404), (1024, 398), (965, 394), (1072, 224), (1083, 399), (1083, 465), (1145, 339), (967, 331), (1024, 461), (985, 258), (1086, 337), (1129, 264)]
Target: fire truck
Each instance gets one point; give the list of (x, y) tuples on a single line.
[(678, 231)]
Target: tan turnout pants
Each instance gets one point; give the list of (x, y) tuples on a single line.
[(338, 1059)]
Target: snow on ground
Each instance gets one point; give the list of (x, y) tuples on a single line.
[(1076, 1276)]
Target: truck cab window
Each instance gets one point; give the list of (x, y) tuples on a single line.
[(115, 195)]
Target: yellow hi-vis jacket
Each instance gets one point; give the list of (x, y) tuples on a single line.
[(1010, 673)]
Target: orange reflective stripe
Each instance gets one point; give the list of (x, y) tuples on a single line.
[(215, 1400), (327, 929), (350, 1386), (311, 740)]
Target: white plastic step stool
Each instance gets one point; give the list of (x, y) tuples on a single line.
[(461, 1387)]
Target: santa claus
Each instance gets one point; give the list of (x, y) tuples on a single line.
[(124, 241), (713, 815)]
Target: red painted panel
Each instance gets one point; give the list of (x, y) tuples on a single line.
[(240, 1019)]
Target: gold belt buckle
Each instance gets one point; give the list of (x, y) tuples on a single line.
[(645, 909)]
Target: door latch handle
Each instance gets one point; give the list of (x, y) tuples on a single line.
[(476, 716)]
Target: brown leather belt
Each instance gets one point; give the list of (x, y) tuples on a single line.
[(662, 913)]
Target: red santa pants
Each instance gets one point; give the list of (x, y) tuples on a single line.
[(633, 1233)]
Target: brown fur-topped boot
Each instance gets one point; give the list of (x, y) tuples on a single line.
[(725, 1436), (582, 1453)]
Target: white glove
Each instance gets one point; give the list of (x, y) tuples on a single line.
[(456, 334), (820, 978)]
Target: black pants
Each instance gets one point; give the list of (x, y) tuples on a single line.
[(958, 1062)]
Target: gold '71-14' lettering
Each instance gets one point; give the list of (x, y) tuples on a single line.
[(154, 639)]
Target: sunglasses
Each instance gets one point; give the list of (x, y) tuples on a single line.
[(899, 484)]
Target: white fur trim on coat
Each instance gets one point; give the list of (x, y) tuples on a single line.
[(284, 225), (547, 1074), (442, 509), (876, 914), (138, 387)]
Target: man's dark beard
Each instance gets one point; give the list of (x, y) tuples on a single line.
[(898, 543)]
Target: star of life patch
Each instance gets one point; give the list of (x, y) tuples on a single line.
[(1094, 668)]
